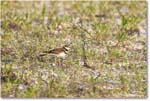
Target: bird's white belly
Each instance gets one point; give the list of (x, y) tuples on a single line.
[(61, 55)]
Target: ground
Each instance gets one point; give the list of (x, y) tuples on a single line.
[(113, 35)]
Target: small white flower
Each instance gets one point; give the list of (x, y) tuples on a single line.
[(21, 87), (46, 21), (55, 32), (81, 63), (53, 64), (76, 21), (90, 30), (138, 46), (124, 10), (54, 74), (44, 77), (11, 95)]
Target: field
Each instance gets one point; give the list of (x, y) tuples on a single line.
[(108, 56)]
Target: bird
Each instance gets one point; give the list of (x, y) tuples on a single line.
[(60, 52)]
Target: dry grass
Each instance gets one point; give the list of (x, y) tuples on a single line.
[(115, 44)]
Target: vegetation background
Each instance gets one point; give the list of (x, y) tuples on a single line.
[(113, 35)]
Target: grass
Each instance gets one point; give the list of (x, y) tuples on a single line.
[(115, 45)]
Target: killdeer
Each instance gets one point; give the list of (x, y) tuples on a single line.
[(59, 52)]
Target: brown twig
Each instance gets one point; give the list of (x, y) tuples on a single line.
[(84, 52)]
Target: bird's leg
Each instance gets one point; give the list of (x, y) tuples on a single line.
[(59, 62), (55, 61)]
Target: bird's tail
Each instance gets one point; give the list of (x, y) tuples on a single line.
[(43, 53)]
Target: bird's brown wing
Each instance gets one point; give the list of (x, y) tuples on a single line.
[(53, 51), (56, 51)]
